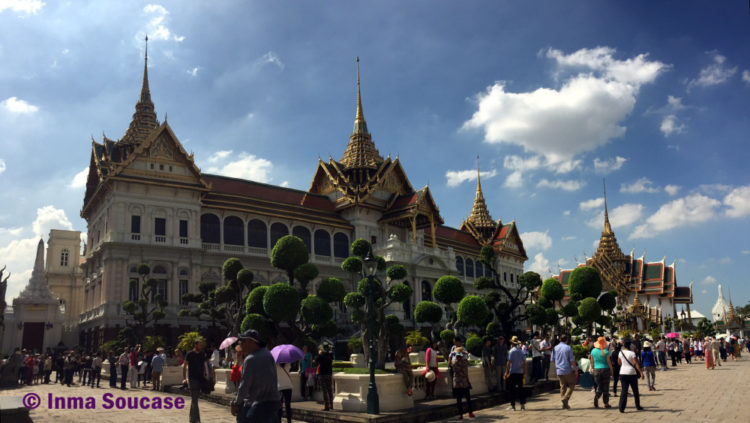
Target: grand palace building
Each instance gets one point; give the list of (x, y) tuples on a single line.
[(646, 292), (147, 201)]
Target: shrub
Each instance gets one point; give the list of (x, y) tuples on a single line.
[(607, 301), (395, 328), (331, 290), (289, 253), (474, 345), (447, 336), (354, 300), (400, 292), (305, 272), (570, 309), (254, 302), (416, 340), (281, 302), (315, 310), (472, 311), (552, 290), (187, 340), (589, 310), (483, 283), (427, 312), (396, 272), (585, 281), (352, 265), (448, 289), (493, 329), (360, 247), (245, 277), (231, 268)]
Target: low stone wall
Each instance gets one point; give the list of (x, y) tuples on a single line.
[(351, 392)]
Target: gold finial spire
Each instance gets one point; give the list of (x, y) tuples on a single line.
[(144, 118), (361, 151), (360, 115), (607, 226), (480, 216)]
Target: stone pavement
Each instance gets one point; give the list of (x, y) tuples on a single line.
[(684, 393)]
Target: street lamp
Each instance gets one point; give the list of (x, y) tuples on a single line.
[(370, 267)]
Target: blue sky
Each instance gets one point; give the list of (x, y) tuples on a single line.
[(553, 96)]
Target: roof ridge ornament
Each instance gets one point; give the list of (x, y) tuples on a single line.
[(361, 152), (144, 119), (480, 215)]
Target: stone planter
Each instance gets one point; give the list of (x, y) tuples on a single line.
[(358, 360), (223, 384), (416, 357), (172, 375), (350, 393)]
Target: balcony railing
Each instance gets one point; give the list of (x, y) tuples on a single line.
[(160, 239), (257, 251), (234, 248), (135, 237), (184, 241), (207, 246)]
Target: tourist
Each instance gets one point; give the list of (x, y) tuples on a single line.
[(193, 373), (456, 344), (214, 362), (602, 369), (157, 367), (142, 365), (546, 348), (487, 364), (304, 364), (649, 366), (96, 370), (257, 396), (614, 352), (284, 385), (431, 365), (722, 350), (403, 366), (59, 368), (515, 373), (707, 353), (47, 368), (672, 347), (235, 376), (325, 375), (661, 352), (629, 374), (461, 383), (698, 348), (133, 368), (69, 369), (30, 369), (500, 353), (536, 358), (716, 351), (687, 350), (566, 369)]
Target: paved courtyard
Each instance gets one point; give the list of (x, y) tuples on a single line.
[(684, 393)]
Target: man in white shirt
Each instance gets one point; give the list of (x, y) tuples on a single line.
[(536, 358), (546, 349), (214, 362)]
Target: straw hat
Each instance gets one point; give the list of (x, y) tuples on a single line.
[(646, 344), (601, 342), (514, 340)]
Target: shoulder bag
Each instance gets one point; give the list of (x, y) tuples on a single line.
[(640, 375)]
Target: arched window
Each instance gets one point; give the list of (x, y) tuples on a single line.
[(460, 265), (407, 303), (469, 267), (64, 257), (426, 291), (234, 231), (210, 228), (159, 270), (479, 268), (511, 278), (277, 231), (322, 243), (257, 236), (340, 245), (160, 273), (303, 233)]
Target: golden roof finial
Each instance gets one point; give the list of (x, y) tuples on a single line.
[(360, 115), (480, 216), (607, 226), (361, 151), (144, 118)]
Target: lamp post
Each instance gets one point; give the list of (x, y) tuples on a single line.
[(371, 266), (684, 324)]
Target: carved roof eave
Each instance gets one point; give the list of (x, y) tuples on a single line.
[(514, 231), (139, 150), (425, 205)]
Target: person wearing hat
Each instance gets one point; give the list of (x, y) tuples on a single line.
[(515, 372), (461, 383), (649, 365), (325, 375), (257, 396), (566, 369), (602, 365)]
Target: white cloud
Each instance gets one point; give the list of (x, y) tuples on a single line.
[(246, 166), (746, 76), (16, 105), (594, 203), (672, 189), (540, 265), (193, 72), (563, 185), (19, 253), (608, 166), (157, 28), (669, 126), (713, 74), (2, 166), (746, 252), (285, 184), (566, 213), (595, 244), (582, 115), (272, 59), (709, 280), (79, 181), (569, 238), (536, 240), (29, 7), (641, 185), (619, 217), (738, 201), (455, 178), (703, 291), (695, 208), (725, 260)]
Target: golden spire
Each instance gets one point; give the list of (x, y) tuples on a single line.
[(637, 307), (144, 118), (361, 151), (480, 216), (607, 226)]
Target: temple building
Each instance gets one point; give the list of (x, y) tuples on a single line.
[(646, 292), (147, 201), (726, 318)]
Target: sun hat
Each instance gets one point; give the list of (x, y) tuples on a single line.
[(646, 344), (514, 340), (429, 376), (251, 334)]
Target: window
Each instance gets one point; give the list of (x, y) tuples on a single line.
[(183, 228), (234, 231), (322, 243), (257, 234), (210, 228), (469, 267), (160, 226), (407, 306), (135, 224), (505, 277), (64, 257), (303, 233), (183, 290), (426, 291), (460, 265), (133, 292), (277, 231), (340, 245), (479, 269), (511, 278), (161, 289)]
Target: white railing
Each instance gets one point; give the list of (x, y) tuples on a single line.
[(184, 241), (234, 248), (207, 246), (320, 257), (258, 251), (135, 237), (160, 238)]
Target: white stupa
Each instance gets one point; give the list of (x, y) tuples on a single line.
[(721, 308)]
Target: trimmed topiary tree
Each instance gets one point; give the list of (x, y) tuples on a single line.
[(281, 302), (331, 290), (586, 282), (472, 311), (474, 345), (288, 254), (149, 307)]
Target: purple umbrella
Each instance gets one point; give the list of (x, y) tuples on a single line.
[(286, 353), (227, 342)]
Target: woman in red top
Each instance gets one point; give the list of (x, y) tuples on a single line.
[(430, 359)]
